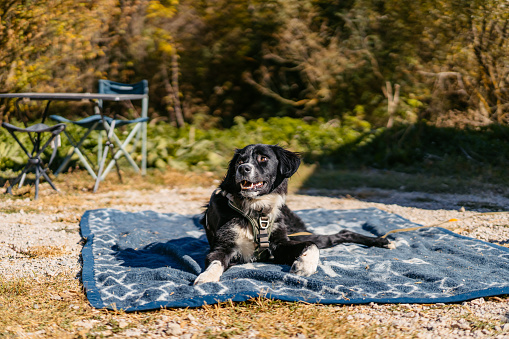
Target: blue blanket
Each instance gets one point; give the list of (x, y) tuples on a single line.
[(148, 260)]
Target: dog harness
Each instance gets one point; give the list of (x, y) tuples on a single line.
[(262, 228)]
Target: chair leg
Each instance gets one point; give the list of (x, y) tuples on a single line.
[(46, 176), (64, 163), (76, 149), (144, 149), (21, 178), (37, 175), (38, 164), (39, 170), (101, 167), (99, 146), (34, 160), (85, 163), (18, 178), (126, 154), (22, 181), (121, 151)]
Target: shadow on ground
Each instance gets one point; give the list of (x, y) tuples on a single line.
[(419, 166)]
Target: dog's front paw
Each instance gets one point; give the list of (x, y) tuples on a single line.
[(306, 264), (211, 274)]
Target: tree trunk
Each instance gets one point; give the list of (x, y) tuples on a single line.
[(392, 101), (175, 85), (172, 88)]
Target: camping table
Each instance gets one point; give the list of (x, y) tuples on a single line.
[(92, 97)]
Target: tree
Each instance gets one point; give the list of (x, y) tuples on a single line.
[(209, 61), (325, 58), (489, 41), (66, 45)]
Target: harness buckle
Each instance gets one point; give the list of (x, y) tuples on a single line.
[(264, 222)]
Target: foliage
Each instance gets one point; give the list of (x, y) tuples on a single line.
[(209, 150), (66, 45), (431, 150), (50, 45), (194, 148), (415, 148), (332, 56), (325, 58), (210, 61)]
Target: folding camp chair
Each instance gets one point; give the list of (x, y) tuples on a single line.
[(35, 133), (100, 122)]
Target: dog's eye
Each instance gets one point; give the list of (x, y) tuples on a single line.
[(262, 158)]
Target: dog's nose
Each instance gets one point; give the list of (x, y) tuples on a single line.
[(245, 169)]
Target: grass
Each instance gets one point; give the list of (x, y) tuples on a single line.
[(56, 307), (40, 251), (327, 178), (268, 318), (46, 304)]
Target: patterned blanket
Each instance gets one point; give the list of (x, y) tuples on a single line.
[(148, 260)]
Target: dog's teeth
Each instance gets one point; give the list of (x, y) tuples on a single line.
[(246, 185)]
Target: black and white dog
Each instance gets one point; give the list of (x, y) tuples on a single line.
[(247, 219)]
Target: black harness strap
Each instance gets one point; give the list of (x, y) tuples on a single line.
[(262, 228)]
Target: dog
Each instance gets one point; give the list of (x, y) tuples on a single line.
[(248, 220)]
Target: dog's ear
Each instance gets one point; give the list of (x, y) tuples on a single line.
[(228, 183), (289, 162)]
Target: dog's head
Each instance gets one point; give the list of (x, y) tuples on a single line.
[(259, 169)]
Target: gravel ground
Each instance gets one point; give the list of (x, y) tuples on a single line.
[(26, 225)]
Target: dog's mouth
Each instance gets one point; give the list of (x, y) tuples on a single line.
[(248, 185)]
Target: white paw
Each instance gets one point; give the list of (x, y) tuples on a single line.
[(391, 246), (306, 264), (211, 274)]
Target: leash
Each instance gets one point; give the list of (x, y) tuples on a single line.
[(441, 223), (299, 233), (409, 229)]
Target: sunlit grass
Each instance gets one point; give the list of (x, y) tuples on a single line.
[(57, 307), (41, 251)]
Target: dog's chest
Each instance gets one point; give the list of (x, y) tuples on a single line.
[(245, 243)]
